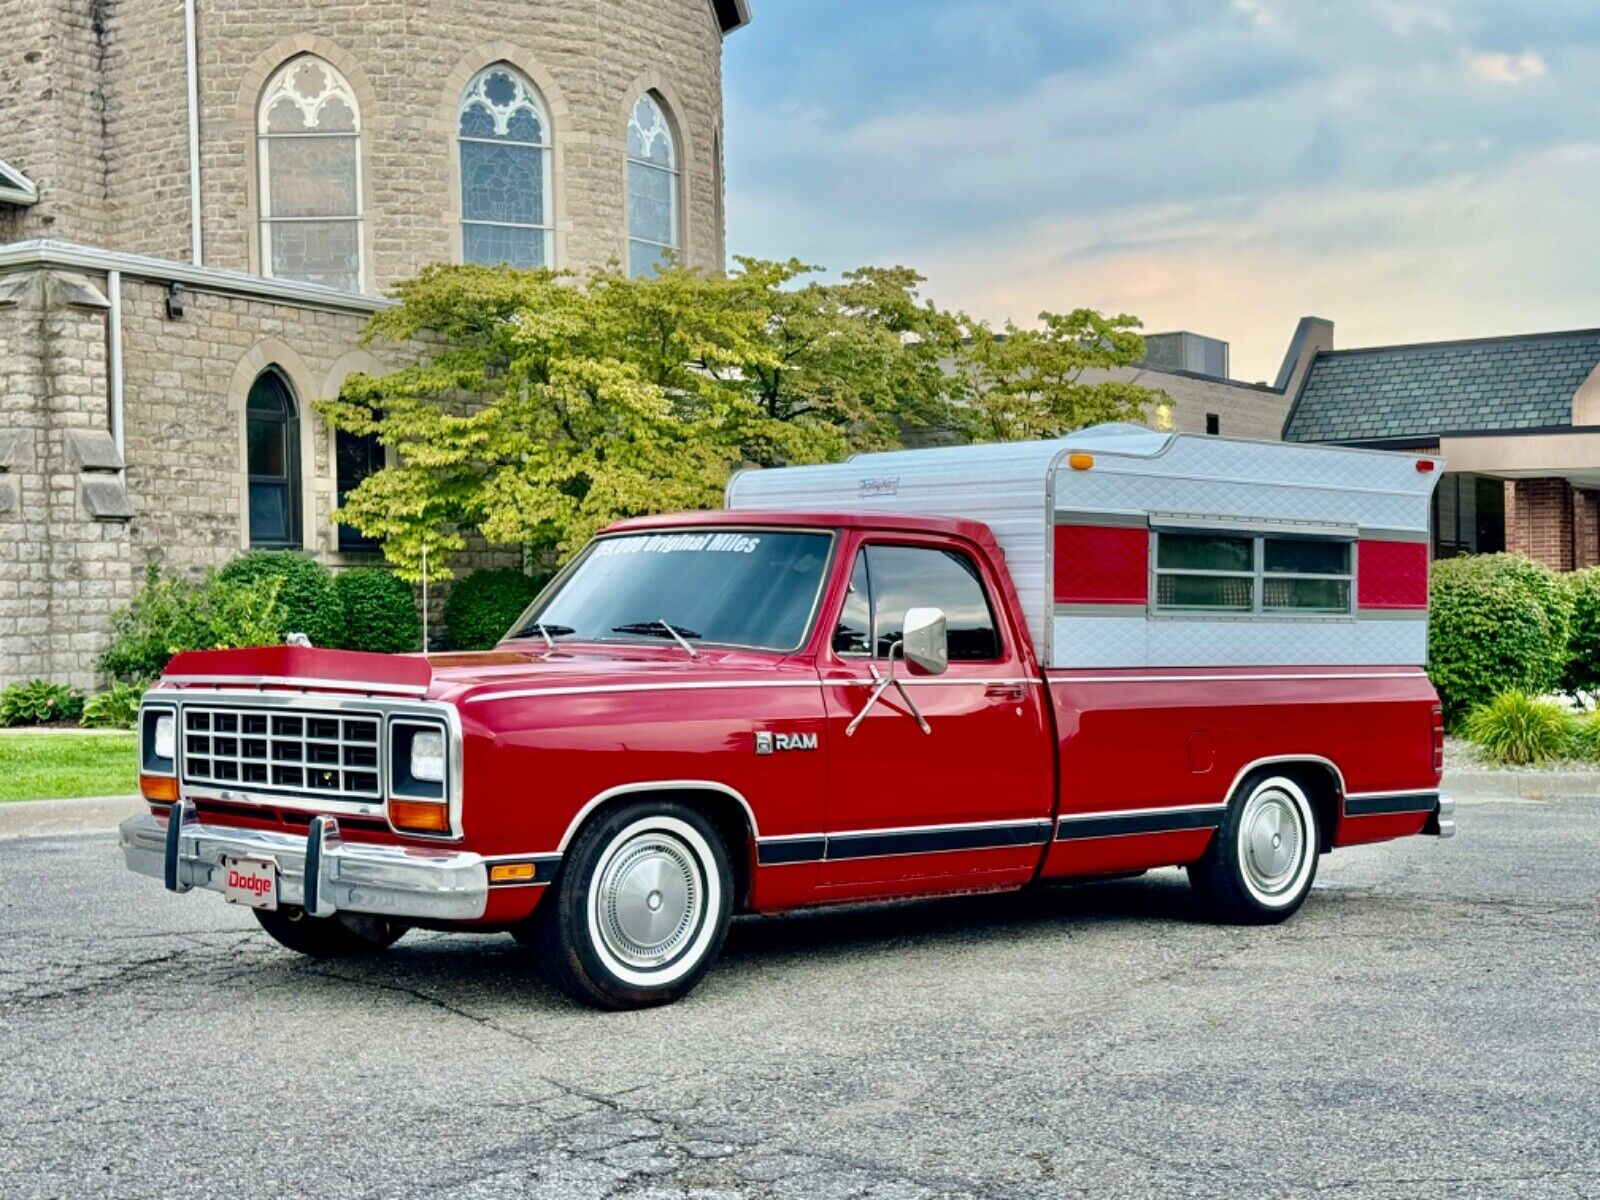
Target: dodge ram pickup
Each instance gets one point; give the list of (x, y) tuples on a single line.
[(920, 672)]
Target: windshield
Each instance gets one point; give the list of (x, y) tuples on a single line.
[(734, 587)]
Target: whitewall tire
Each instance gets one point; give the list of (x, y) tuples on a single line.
[(1260, 865), (640, 909)]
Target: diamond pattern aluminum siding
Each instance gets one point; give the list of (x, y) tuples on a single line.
[(1421, 391)]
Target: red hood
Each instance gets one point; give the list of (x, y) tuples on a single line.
[(578, 665), (451, 676)]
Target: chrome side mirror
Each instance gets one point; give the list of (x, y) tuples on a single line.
[(926, 642)]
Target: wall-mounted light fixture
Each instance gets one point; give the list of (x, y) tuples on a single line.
[(175, 301)]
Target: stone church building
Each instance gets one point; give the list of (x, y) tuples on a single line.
[(203, 201)]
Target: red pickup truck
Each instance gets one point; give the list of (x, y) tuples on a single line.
[(774, 706)]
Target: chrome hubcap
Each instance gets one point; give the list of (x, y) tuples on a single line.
[(650, 899), (1272, 838)]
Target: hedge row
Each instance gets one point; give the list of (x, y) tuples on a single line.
[(263, 596), (1501, 623)]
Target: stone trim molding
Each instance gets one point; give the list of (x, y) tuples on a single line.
[(445, 125), (50, 253), (675, 109), (270, 352), (243, 131)]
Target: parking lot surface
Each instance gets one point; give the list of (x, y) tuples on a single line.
[(1428, 1025)]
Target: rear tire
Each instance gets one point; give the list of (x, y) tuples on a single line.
[(343, 935), (640, 910), (1260, 865)]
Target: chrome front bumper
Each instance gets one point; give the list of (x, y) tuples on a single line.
[(1442, 822), (320, 872)]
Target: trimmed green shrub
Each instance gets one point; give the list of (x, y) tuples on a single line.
[(169, 614), (1497, 623), (307, 601), (481, 607), (380, 612), (38, 702), (115, 708), (1583, 647), (1519, 730)]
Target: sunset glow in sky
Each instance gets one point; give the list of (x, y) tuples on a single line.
[(1413, 171)]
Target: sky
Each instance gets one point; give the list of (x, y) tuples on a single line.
[(1411, 171)]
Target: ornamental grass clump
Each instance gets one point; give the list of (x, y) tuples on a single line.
[(1586, 736), (1516, 729)]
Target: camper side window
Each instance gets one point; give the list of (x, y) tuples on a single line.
[(1251, 574)]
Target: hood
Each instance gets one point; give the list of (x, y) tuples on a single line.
[(580, 665)]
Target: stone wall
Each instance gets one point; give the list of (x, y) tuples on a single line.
[(51, 110), (407, 60)]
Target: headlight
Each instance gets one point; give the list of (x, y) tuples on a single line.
[(427, 756), (165, 741)]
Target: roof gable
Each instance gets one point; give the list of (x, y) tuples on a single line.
[(1524, 382)]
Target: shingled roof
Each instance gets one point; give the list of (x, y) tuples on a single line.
[(1524, 382)]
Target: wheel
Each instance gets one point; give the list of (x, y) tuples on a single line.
[(1259, 866), (640, 909), (343, 935)]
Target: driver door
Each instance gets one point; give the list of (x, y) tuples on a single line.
[(968, 802)]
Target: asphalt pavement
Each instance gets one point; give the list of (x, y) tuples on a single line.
[(1428, 1025)]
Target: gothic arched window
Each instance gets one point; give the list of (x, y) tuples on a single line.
[(653, 225), (309, 143), (272, 456), (504, 137)]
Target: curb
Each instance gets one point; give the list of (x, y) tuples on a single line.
[(1524, 785), (41, 818)]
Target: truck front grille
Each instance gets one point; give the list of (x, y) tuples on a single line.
[(310, 753)]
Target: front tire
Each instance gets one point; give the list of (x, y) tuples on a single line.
[(343, 935), (1260, 865), (641, 908)]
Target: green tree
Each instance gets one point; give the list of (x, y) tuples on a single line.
[(1042, 383), (549, 408)]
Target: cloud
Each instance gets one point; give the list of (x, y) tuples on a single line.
[(1475, 254), (1229, 166), (1506, 68)]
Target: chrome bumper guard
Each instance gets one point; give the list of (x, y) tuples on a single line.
[(320, 872), (1442, 822)]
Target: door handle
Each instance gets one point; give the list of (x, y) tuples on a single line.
[(1005, 691)]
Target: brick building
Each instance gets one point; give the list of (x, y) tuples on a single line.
[(1517, 420), (202, 202)]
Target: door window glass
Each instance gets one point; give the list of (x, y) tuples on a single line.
[(897, 578)]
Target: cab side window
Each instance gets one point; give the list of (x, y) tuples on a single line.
[(887, 580)]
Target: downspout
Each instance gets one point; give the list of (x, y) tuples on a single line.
[(191, 49), (114, 356)]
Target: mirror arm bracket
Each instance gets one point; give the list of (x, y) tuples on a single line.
[(883, 683)]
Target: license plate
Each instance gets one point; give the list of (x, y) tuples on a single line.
[(252, 881)]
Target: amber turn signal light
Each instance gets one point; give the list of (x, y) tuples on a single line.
[(159, 789), (511, 873), (1080, 462), (418, 816)]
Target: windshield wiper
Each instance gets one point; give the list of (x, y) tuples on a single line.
[(548, 632), (655, 628)]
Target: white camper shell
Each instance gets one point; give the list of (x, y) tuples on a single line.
[(1131, 548)]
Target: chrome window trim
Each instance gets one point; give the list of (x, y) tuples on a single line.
[(589, 689), (552, 589)]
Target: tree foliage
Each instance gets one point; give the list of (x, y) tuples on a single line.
[(1042, 383), (547, 407)]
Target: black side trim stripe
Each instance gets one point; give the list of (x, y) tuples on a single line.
[(873, 844), (1153, 822), (1378, 806)]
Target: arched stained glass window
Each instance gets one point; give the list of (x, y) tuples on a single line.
[(504, 134), (653, 225), (272, 453), (309, 142)]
